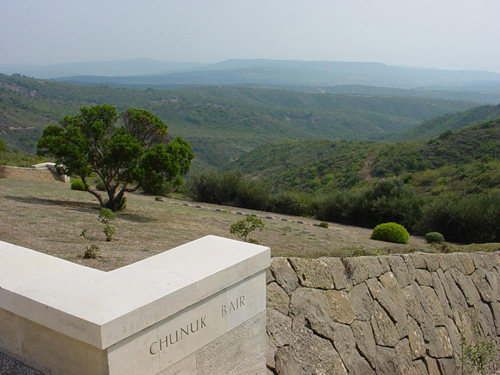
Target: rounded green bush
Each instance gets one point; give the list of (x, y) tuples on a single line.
[(323, 224), (434, 237), (390, 232), (77, 185)]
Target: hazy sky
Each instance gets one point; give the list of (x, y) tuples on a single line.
[(452, 34)]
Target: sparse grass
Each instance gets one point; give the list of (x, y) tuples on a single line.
[(49, 217)]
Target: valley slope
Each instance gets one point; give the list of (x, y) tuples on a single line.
[(465, 161), (221, 123)]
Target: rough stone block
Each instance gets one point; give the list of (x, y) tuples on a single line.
[(314, 354), (362, 302), (416, 339), (321, 309), (339, 272), (387, 363), (345, 344), (468, 263), (418, 260), (440, 346), (384, 330), (279, 328), (277, 298), (423, 277), (399, 269), (284, 274), (313, 273), (365, 341)]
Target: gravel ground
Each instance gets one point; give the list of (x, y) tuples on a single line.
[(11, 366)]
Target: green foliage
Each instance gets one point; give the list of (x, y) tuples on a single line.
[(384, 201), (228, 189), (307, 166), (16, 158), (390, 232), (92, 252), (77, 185), (466, 160), (2, 146), (442, 126), (105, 216), (244, 227), (123, 157), (445, 134), (468, 219), (323, 224), (434, 237), (292, 203), (219, 122), (477, 357)]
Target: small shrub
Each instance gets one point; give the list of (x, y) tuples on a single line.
[(92, 252), (77, 185), (434, 237), (158, 198), (323, 224), (244, 227), (478, 356), (390, 232), (105, 216), (119, 205)]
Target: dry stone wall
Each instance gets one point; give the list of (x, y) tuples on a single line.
[(400, 314)]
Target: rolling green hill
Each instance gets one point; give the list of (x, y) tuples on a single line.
[(435, 126), (220, 123), (464, 161)]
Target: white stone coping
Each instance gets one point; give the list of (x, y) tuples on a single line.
[(44, 165), (103, 308)]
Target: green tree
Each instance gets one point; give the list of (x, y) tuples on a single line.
[(2, 146), (125, 151)]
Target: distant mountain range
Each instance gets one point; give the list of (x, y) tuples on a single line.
[(146, 73), (118, 68)]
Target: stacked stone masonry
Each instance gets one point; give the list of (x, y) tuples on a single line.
[(400, 314)]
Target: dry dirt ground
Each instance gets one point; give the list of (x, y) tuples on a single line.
[(50, 217)]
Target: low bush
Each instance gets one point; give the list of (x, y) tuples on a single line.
[(390, 232), (92, 252), (387, 200), (292, 203), (323, 224), (434, 237), (229, 189), (469, 219), (77, 185)]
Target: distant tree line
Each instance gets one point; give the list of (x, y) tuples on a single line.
[(462, 219)]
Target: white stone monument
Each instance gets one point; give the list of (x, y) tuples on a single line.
[(196, 309)]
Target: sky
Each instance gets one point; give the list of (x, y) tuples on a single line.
[(449, 34)]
